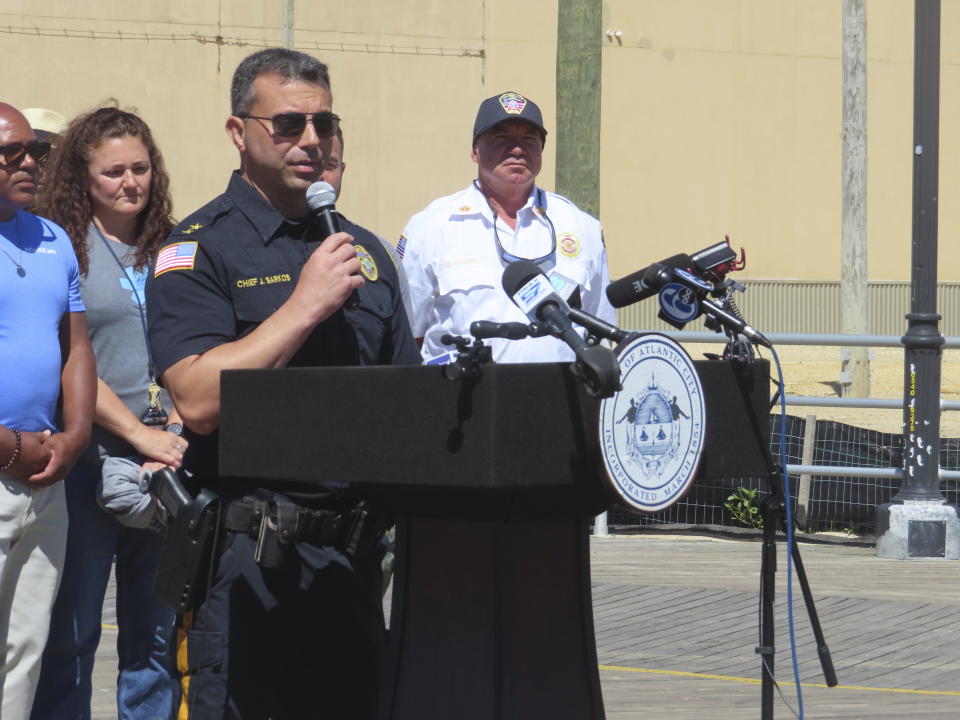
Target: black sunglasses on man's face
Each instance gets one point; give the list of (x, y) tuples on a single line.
[(16, 153), (292, 124)]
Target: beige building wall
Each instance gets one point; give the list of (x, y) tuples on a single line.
[(724, 117), (719, 116)]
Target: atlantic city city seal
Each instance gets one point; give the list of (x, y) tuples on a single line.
[(652, 431)]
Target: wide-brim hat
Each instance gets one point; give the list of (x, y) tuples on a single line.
[(45, 122), (507, 106)]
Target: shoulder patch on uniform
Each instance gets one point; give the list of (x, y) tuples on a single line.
[(368, 266), (401, 246), (178, 256), (569, 245)]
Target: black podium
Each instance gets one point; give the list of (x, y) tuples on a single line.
[(494, 483)]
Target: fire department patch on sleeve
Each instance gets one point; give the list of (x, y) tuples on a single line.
[(569, 245)]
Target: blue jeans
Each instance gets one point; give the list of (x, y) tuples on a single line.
[(144, 683)]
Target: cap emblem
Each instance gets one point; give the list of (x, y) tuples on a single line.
[(512, 103)]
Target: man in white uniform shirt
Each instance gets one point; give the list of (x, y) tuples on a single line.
[(455, 251)]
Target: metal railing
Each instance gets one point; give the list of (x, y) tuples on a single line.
[(806, 470), (836, 339)]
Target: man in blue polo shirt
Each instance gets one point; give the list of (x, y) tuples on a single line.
[(45, 354)]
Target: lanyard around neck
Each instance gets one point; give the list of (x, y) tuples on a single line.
[(151, 367), (545, 262)]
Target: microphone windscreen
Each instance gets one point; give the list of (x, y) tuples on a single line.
[(625, 291), (320, 195), (518, 274), (636, 286)]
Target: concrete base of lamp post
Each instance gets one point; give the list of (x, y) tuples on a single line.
[(914, 529)]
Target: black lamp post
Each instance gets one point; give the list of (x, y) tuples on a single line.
[(918, 523)]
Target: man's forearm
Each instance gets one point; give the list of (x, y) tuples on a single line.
[(8, 443), (194, 382)]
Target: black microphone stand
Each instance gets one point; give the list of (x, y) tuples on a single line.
[(773, 511), (473, 355), (470, 358)]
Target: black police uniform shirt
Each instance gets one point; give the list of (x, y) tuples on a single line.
[(228, 267)]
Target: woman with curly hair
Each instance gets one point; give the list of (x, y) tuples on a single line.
[(107, 187)]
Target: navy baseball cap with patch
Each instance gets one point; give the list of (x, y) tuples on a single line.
[(507, 106)]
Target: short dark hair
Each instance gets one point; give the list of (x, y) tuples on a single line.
[(290, 65)]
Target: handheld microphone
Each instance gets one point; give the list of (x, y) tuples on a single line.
[(645, 283), (532, 292), (322, 198)]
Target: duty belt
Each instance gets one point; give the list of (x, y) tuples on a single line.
[(277, 523)]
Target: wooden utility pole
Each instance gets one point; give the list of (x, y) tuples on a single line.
[(288, 24), (854, 298), (577, 137)]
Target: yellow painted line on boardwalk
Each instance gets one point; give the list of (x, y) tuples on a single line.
[(109, 627), (754, 681), (748, 681)]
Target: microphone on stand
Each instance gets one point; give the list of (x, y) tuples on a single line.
[(645, 283), (532, 292), (685, 272), (483, 329)]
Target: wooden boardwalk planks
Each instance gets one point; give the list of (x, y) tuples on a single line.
[(671, 611)]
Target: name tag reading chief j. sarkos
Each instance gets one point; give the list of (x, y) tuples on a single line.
[(652, 431)]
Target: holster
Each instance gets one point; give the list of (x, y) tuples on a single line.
[(188, 546)]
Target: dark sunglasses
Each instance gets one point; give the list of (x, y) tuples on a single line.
[(16, 153), (292, 124)]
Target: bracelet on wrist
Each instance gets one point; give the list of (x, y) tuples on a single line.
[(16, 452)]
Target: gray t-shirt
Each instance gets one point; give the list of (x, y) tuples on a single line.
[(112, 297)]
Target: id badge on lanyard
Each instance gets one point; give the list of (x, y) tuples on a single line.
[(154, 415)]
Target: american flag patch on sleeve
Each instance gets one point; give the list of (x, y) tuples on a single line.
[(179, 256), (401, 246)]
